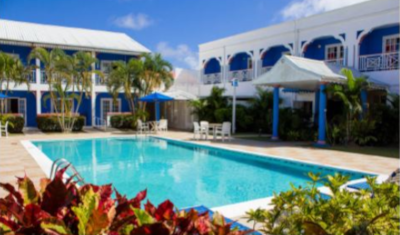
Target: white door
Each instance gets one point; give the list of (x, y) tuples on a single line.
[(108, 106), (22, 109)]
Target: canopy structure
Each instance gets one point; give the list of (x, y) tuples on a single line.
[(156, 98), (297, 74)]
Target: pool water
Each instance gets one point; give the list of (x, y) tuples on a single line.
[(185, 173)]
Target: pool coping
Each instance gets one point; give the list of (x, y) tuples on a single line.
[(231, 210)]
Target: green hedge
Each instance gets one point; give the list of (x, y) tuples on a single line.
[(49, 123), (16, 123), (123, 121)]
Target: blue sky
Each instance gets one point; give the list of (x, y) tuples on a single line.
[(173, 27)]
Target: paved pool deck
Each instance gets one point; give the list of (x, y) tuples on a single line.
[(16, 161)]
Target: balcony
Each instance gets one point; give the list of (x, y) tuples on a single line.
[(242, 75), (379, 62), (31, 76), (212, 78)]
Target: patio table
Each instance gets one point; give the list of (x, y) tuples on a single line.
[(214, 127), (153, 126)]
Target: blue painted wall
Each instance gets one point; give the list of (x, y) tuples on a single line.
[(272, 55), (212, 66), (124, 103), (373, 42), (30, 105), (239, 62), (85, 108), (112, 57), (316, 49), (22, 51)]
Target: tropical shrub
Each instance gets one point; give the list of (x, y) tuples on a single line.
[(303, 210), (122, 121), (261, 110), (386, 119), (294, 125), (127, 120), (50, 122), (350, 95), (363, 132), (62, 208), (16, 122)]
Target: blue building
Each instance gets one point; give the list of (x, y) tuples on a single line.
[(19, 38)]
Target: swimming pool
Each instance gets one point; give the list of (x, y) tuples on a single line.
[(187, 174)]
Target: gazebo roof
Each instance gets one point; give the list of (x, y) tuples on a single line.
[(299, 73)]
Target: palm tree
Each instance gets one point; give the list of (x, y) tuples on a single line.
[(12, 72), (69, 79), (140, 77), (155, 72), (349, 94), (125, 77)]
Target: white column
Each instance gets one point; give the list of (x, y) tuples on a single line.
[(256, 59), (38, 101), (351, 44), (93, 95), (38, 75)]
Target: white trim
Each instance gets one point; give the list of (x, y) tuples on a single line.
[(392, 36)]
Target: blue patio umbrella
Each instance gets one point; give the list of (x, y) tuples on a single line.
[(156, 98), (2, 96)]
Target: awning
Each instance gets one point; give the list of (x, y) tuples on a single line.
[(299, 73)]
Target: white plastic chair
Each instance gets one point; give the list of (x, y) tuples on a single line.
[(204, 128), (142, 127), (196, 131), (4, 129), (163, 125), (224, 131)]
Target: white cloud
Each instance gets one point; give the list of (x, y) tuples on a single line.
[(181, 53), (302, 8), (133, 21)]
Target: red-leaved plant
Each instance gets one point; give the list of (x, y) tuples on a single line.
[(61, 207)]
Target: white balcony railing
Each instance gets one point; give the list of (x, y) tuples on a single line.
[(379, 62), (212, 78), (242, 75), (339, 62)]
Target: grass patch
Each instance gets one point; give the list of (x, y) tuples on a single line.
[(392, 152)]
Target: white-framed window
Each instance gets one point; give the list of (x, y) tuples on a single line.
[(391, 43), (58, 107), (334, 52), (109, 106), (16, 105)]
